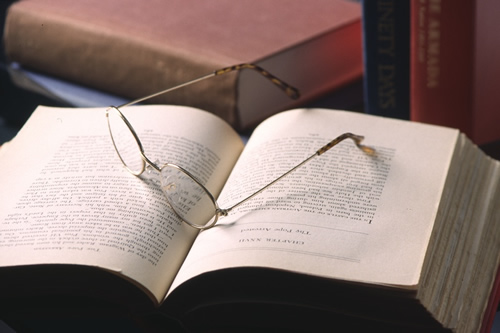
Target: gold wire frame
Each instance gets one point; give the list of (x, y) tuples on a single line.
[(291, 91), (218, 212)]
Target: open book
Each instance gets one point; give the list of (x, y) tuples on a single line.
[(409, 237)]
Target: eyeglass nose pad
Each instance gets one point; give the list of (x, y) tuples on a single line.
[(150, 173), (171, 186)]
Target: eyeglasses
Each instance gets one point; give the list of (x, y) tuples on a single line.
[(188, 198)]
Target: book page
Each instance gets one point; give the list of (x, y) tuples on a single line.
[(67, 199), (344, 214)]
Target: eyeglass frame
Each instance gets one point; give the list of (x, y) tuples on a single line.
[(291, 91)]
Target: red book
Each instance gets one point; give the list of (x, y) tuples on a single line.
[(455, 72), (134, 48)]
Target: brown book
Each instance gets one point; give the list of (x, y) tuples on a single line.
[(134, 48), (408, 238)]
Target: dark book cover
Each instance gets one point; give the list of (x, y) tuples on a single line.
[(386, 42)]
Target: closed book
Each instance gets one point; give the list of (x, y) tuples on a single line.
[(386, 57), (454, 66), (134, 48)]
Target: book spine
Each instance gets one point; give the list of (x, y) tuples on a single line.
[(386, 57), (442, 63), (486, 126)]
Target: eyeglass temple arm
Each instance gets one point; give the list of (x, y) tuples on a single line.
[(357, 140), (292, 92)]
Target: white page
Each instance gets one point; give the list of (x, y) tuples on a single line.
[(66, 198), (395, 196)]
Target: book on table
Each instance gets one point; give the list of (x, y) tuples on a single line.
[(133, 48), (407, 237)]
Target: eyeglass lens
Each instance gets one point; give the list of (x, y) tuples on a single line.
[(189, 200), (126, 145)]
